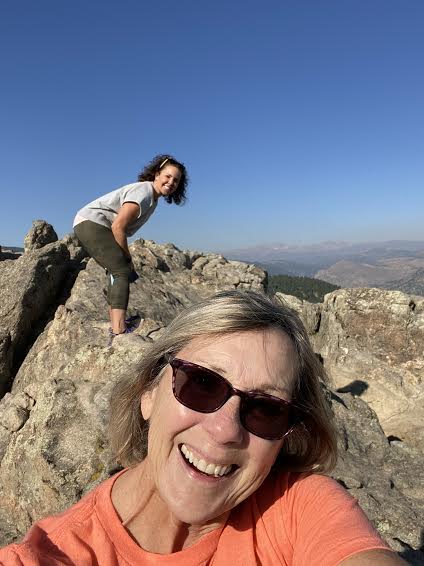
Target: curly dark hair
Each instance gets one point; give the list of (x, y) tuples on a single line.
[(155, 165)]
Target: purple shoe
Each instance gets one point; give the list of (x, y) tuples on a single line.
[(131, 324), (112, 335), (132, 319)]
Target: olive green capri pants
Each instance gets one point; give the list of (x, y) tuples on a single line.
[(100, 244)]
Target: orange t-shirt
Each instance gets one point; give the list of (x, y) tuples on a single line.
[(292, 520)]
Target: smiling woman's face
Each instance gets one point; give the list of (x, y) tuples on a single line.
[(166, 181), (254, 360)]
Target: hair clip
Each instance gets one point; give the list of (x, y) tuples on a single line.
[(163, 163)]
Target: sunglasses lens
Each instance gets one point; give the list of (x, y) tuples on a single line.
[(205, 391), (265, 417), (199, 389)]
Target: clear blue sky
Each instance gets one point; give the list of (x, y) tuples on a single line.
[(299, 121)]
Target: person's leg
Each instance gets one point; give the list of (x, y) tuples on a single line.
[(117, 320), (100, 244), (130, 323)]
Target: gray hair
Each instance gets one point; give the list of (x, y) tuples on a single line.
[(311, 445)]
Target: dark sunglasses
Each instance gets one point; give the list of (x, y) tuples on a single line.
[(205, 391)]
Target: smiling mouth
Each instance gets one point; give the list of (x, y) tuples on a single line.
[(207, 468)]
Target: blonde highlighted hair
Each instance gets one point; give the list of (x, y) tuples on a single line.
[(310, 447)]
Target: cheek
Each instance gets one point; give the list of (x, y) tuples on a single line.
[(168, 417), (263, 455)]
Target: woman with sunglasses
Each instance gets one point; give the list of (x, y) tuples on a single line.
[(103, 226), (224, 434)]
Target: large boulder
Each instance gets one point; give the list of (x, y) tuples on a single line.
[(372, 344), (387, 478), (41, 234), (28, 286), (52, 424)]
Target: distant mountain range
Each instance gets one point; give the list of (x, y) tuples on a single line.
[(12, 249), (395, 264)]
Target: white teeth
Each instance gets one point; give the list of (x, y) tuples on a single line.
[(200, 465), (209, 469)]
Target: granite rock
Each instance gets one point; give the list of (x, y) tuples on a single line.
[(53, 445), (40, 234)]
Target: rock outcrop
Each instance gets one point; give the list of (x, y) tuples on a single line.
[(52, 424), (41, 234), (170, 279), (372, 344), (52, 420), (386, 478), (28, 287)]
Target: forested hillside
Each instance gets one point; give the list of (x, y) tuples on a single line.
[(306, 288)]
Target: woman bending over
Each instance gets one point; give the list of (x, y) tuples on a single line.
[(104, 225)]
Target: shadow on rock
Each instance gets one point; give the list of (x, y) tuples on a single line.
[(414, 557), (356, 387)]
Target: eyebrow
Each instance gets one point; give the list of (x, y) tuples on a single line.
[(261, 388)]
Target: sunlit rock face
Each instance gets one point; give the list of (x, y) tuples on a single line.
[(28, 287), (53, 446), (372, 345), (41, 234)]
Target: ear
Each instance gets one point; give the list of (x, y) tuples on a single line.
[(147, 402), (157, 174)]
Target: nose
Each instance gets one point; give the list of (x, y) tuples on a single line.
[(224, 425)]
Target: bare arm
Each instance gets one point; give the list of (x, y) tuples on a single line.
[(128, 212), (374, 558)]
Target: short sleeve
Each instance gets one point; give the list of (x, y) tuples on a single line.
[(325, 523), (138, 193)]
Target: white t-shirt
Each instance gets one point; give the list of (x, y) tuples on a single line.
[(105, 209)]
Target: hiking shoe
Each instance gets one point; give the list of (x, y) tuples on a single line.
[(132, 319), (127, 330)]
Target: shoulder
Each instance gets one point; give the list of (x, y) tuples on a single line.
[(316, 518), (294, 487), (315, 488), (142, 188), (140, 193), (56, 525), (300, 495), (59, 535)]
